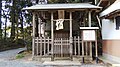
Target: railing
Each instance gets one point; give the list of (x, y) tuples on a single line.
[(42, 47), (84, 50), (77, 46)]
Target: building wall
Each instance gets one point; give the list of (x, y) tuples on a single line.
[(111, 40), (111, 50), (109, 31), (111, 47)]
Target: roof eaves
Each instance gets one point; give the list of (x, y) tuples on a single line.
[(110, 10), (60, 6)]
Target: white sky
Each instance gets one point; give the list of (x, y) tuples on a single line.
[(3, 19), (8, 22)]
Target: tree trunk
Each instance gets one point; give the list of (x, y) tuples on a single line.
[(13, 20), (21, 23), (17, 28), (5, 27)]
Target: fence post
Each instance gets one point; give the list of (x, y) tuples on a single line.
[(90, 49), (48, 47), (75, 45), (96, 46), (33, 47), (40, 46), (78, 45), (82, 49), (61, 48), (37, 47), (86, 48), (44, 45)]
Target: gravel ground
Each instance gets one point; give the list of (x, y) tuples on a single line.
[(18, 64), (7, 59)]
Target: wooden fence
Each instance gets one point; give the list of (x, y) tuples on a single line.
[(82, 50), (42, 47)]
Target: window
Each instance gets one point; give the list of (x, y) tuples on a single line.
[(117, 22)]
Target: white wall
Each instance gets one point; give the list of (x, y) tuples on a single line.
[(109, 31)]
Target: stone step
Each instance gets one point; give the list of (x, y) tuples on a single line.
[(61, 63), (87, 65)]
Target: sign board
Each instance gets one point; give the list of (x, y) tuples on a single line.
[(89, 35)]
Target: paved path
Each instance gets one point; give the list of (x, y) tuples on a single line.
[(10, 54), (88, 65), (7, 59), (18, 64)]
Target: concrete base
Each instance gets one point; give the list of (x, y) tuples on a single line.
[(86, 58), (79, 59), (109, 62), (61, 63), (41, 59)]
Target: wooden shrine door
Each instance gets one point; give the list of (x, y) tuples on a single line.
[(61, 45)]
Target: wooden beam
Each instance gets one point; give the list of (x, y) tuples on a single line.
[(103, 3), (52, 36), (33, 47), (95, 2), (82, 49), (37, 47), (79, 45), (90, 49), (39, 20), (99, 21), (86, 45), (99, 3), (71, 35), (61, 48), (96, 47), (89, 18), (34, 24), (71, 27), (33, 41), (44, 45)]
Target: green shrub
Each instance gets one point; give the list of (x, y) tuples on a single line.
[(19, 56)]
